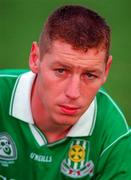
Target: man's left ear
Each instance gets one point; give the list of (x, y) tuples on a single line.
[(34, 58), (107, 67)]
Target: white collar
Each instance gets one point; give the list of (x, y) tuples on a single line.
[(20, 100), (20, 107)]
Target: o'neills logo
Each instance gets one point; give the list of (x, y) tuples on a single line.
[(77, 163), (41, 158)]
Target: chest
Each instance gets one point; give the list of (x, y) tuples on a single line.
[(26, 154)]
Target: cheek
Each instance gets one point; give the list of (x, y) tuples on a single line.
[(88, 93), (50, 87)]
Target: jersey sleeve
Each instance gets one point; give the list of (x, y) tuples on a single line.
[(113, 141), (115, 161)]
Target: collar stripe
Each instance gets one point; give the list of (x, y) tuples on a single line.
[(37, 135), (94, 117), (13, 95)]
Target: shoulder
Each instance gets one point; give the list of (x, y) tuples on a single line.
[(10, 74), (8, 78), (110, 124), (109, 111)]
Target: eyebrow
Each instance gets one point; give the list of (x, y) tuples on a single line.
[(61, 64), (70, 66)]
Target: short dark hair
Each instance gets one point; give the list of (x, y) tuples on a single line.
[(79, 26)]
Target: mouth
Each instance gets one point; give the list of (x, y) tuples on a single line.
[(69, 110)]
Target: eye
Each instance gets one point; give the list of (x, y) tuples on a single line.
[(60, 70), (90, 76)]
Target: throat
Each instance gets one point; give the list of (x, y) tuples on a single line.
[(54, 133)]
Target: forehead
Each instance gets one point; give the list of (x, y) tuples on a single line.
[(63, 52)]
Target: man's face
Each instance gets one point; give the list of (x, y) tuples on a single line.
[(68, 80)]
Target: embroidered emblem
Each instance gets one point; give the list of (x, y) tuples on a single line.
[(76, 153), (77, 163), (8, 150)]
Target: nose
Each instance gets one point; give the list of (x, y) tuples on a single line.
[(72, 90)]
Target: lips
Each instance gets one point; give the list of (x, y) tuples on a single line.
[(69, 110)]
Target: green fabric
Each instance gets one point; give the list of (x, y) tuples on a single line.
[(104, 155)]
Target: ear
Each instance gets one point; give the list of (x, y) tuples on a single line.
[(34, 57), (107, 67)]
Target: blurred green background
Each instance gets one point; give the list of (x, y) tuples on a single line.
[(21, 22)]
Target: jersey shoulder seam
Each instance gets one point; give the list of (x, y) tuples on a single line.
[(114, 142), (116, 106), (8, 75)]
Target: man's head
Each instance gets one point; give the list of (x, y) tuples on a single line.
[(71, 64), (78, 26)]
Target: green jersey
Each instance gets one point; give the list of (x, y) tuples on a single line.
[(97, 147)]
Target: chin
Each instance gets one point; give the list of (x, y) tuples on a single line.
[(67, 121)]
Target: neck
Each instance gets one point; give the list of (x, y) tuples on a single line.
[(56, 134), (52, 132)]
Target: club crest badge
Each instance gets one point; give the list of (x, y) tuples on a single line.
[(8, 152), (77, 163)]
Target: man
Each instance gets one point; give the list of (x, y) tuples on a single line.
[(56, 121)]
